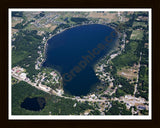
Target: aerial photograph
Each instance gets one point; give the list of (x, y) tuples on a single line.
[(83, 63)]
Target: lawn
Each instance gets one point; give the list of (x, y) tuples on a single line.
[(137, 35), (139, 24)]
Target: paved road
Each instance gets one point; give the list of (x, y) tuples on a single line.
[(53, 92)]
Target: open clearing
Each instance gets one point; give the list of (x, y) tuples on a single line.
[(53, 27), (128, 72), (105, 15), (139, 24), (50, 27), (128, 58), (16, 20), (137, 35), (14, 30)]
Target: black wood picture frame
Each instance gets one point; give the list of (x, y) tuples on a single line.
[(6, 4)]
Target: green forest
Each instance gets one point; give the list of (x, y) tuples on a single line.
[(54, 104), (118, 109), (25, 53)]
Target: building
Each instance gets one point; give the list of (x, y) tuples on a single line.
[(23, 76), (141, 107)]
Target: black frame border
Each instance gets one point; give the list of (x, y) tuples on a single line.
[(153, 4)]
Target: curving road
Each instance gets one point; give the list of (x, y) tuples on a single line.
[(53, 92)]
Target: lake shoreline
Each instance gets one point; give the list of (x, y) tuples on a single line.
[(51, 36)]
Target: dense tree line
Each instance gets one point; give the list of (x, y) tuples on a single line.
[(126, 88), (123, 26), (95, 112), (79, 20), (128, 33), (17, 14), (143, 83), (21, 26), (143, 14), (42, 14)]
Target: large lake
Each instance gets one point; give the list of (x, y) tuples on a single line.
[(73, 53)]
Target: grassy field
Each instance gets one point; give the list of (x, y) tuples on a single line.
[(137, 35), (31, 27), (46, 28), (139, 24), (18, 57), (110, 16), (127, 58), (128, 72)]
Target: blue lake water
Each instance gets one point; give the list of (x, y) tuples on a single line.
[(74, 51)]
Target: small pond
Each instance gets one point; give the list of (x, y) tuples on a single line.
[(34, 104)]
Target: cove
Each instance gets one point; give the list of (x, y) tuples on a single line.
[(73, 53)]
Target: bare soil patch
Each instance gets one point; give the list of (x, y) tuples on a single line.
[(53, 27), (129, 72), (106, 15)]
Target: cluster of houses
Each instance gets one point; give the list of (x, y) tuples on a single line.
[(47, 19), (140, 103), (20, 72)]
